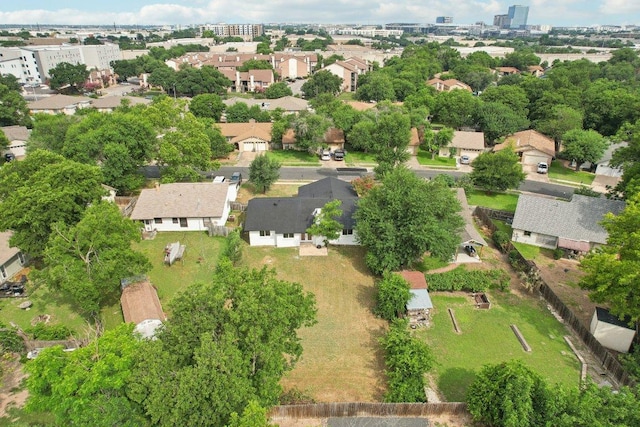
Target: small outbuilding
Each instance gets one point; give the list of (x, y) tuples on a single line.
[(611, 332), (141, 305), (419, 305)]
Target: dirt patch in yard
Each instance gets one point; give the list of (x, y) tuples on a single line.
[(10, 394)]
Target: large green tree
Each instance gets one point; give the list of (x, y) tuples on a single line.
[(87, 260), (456, 108), (392, 296), (65, 74), (326, 222), (497, 171), (390, 139), (13, 108), (207, 105), (50, 131), (509, 394), (87, 386), (583, 146), (228, 342), (310, 130), (561, 120), (613, 271), (498, 120), (278, 90), (398, 221), (42, 190), (264, 171), (321, 82)]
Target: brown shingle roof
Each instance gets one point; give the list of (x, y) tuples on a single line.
[(182, 200), (16, 133), (415, 279), (6, 251), (332, 136), (241, 131), (57, 102), (529, 140), (116, 101), (468, 140), (140, 302)]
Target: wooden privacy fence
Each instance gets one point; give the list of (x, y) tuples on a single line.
[(237, 206), (609, 362), (218, 230), (353, 409)]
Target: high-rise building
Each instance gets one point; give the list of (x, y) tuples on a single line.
[(501, 21), (518, 16), (444, 20)]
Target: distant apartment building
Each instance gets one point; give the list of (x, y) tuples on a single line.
[(31, 64), (444, 20), (518, 17), (501, 21), (235, 30)]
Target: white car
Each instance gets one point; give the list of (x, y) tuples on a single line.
[(465, 160), (325, 155), (543, 167)]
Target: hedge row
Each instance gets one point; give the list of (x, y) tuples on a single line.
[(470, 281)]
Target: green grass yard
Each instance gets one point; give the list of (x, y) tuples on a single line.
[(295, 157), (359, 158), (424, 158), (498, 201), (487, 338), (558, 171)]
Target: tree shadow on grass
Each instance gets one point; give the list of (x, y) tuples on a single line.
[(453, 383)]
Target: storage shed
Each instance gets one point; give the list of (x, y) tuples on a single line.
[(610, 331)]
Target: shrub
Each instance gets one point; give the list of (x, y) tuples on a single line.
[(586, 191), (469, 281), (500, 238), (10, 341), (42, 331), (233, 247), (557, 253), (392, 297), (515, 259)]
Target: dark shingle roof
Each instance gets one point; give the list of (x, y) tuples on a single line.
[(295, 214), (604, 315), (578, 219)]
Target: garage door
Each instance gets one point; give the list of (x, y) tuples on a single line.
[(533, 159), (248, 146), (260, 146)]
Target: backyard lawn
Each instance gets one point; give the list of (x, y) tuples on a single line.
[(248, 191), (487, 338), (342, 360), (359, 158), (498, 201), (295, 158), (558, 171)]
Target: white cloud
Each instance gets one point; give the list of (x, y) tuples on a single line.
[(620, 7)]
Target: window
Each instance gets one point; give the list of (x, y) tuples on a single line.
[(527, 233), (265, 233), (347, 232), (174, 220), (3, 272), (147, 221), (21, 258), (157, 220), (288, 235), (183, 222)]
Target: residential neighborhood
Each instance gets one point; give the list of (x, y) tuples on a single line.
[(319, 224)]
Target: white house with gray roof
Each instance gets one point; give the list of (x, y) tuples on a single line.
[(12, 260), (283, 221), (185, 206), (553, 223)]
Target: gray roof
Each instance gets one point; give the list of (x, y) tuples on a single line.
[(287, 103), (182, 200), (57, 102), (16, 133), (420, 300), (577, 219), (608, 153), (295, 214), (116, 101), (469, 232)]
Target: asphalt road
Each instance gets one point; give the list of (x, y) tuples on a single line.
[(314, 174)]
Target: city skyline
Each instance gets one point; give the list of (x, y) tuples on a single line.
[(564, 13)]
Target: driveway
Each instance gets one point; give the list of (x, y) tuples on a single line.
[(533, 175)]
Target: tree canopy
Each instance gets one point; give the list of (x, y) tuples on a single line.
[(264, 171), (583, 146), (398, 221), (321, 82), (65, 74), (326, 222), (497, 171)]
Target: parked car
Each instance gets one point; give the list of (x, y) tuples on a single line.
[(543, 167), (465, 160), (236, 178), (339, 154), (470, 250), (9, 157), (325, 155)]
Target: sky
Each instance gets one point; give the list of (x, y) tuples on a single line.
[(184, 12)]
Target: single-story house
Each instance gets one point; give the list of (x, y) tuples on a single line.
[(448, 85), (141, 305), (12, 260), (18, 137), (283, 221), (59, 104), (469, 235), (610, 331), (414, 142), (572, 225), (465, 144), (107, 104), (185, 206), (252, 136), (419, 305), (333, 139), (506, 71), (532, 147), (110, 193)]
